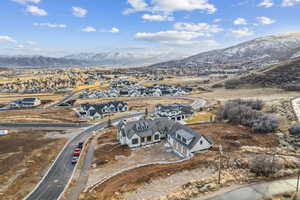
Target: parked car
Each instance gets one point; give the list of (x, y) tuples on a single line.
[(77, 152), (80, 145), (74, 160)]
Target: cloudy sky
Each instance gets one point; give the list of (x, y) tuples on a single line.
[(60, 27)]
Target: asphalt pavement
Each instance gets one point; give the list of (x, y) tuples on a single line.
[(258, 191), (54, 182)]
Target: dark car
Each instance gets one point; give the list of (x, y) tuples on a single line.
[(80, 145), (74, 160)]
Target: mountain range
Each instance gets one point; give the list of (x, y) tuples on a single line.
[(103, 59), (254, 54)]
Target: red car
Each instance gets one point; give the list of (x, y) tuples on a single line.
[(77, 152)]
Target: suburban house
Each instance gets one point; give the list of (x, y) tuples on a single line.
[(186, 141), (175, 112), (183, 140), (96, 111), (26, 103)]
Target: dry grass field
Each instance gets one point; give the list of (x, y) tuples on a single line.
[(269, 95), (5, 99), (24, 158), (59, 115)]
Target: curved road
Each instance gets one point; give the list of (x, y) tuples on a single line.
[(54, 182)]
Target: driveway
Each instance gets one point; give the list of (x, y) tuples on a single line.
[(257, 191)]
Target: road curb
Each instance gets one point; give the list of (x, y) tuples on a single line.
[(47, 172), (76, 167)]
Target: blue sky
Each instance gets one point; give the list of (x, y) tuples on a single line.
[(61, 27)]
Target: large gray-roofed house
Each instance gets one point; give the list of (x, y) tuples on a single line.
[(183, 140), (142, 132), (175, 112)]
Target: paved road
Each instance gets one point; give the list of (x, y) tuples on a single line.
[(59, 174), (42, 125), (258, 191), (71, 96)]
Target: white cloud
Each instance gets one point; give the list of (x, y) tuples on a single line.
[(79, 12), (26, 1), (92, 29), (32, 43), (288, 3), (114, 30), (34, 10), (266, 3), (20, 46), (170, 6), (178, 38), (89, 29), (137, 5), (158, 18), (5, 38), (50, 25), (217, 20), (240, 21), (205, 28), (243, 32), (265, 20)]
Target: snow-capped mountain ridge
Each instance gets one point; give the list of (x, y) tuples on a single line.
[(256, 53)]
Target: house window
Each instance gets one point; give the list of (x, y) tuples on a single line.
[(178, 137), (142, 140), (149, 138), (184, 140), (156, 137), (135, 141), (201, 142)]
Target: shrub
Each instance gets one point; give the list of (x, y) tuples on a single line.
[(265, 165), (295, 129), (247, 113)]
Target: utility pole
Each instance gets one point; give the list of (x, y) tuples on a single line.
[(298, 181), (220, 157)]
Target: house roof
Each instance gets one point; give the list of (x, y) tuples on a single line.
[(189, 133), (98, 107), (145, 127), (182, 108), (31, 99)]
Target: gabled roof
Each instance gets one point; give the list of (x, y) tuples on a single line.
[(144, 127), (188, 132)]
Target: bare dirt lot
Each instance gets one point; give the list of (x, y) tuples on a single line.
[(24, 158), (266, 94), (225, 134), (139, 103), (60, 115)]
